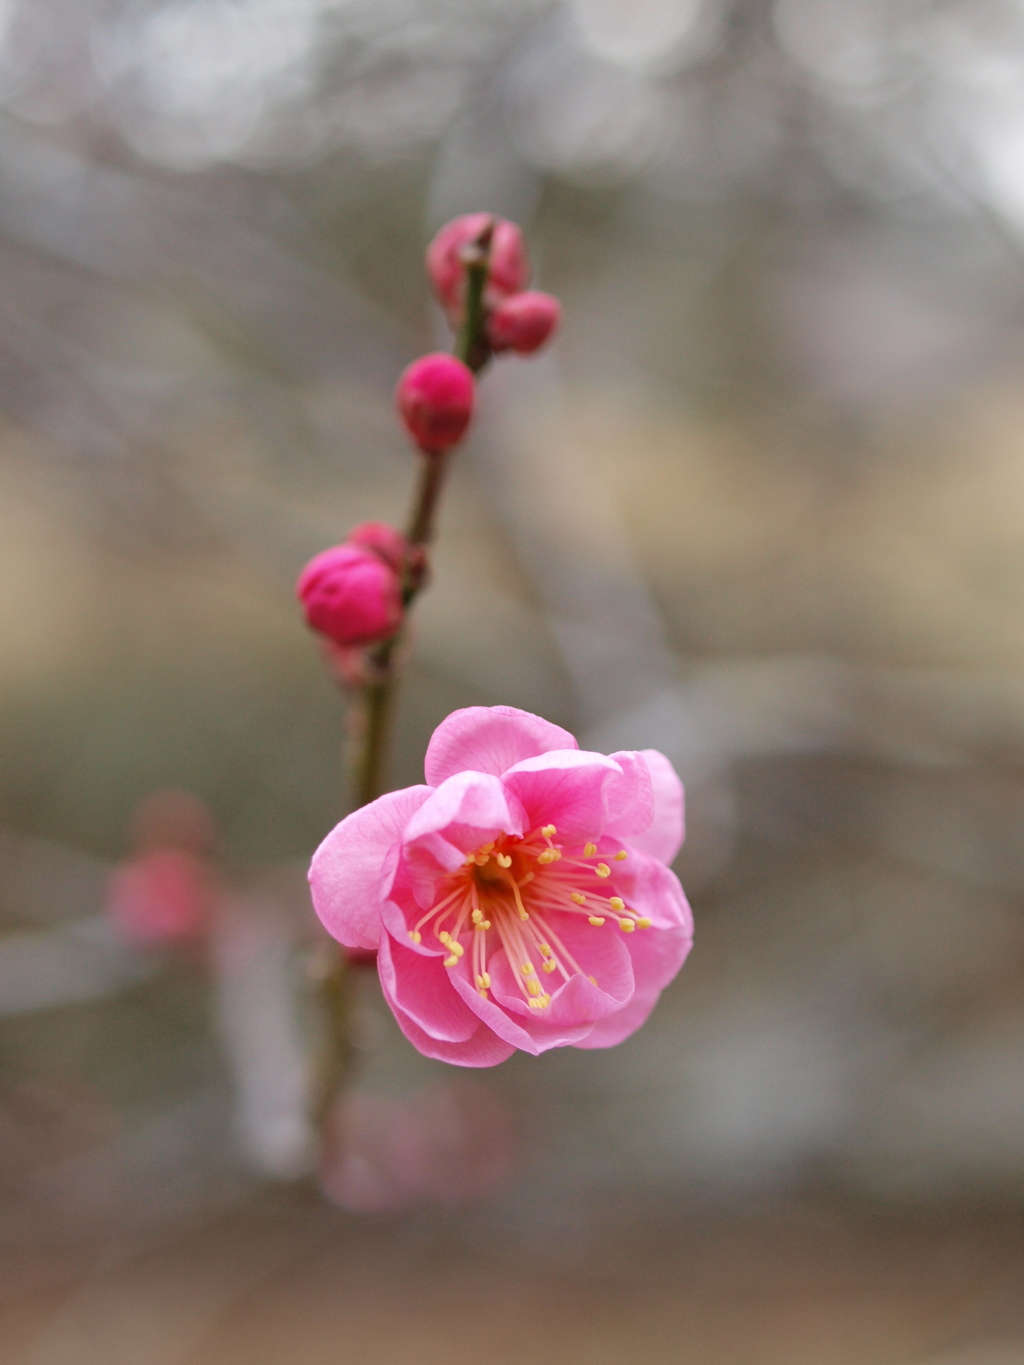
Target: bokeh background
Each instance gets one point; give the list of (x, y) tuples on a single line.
[(762, 506)]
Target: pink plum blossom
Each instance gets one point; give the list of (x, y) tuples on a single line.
[(351, 594), (165, 896), (522, 898), (435, 397), (524, 322), (508, 266)]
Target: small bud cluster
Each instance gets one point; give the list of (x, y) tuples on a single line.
[(356, 594)]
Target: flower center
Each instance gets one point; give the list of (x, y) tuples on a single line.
[(509, 894)]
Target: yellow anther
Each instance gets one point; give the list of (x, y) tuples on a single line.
[(527, 969), (503, 860), (545, 1000), (549, 966), (534, 987), (616, 902), (483, 981), (536, 1004), (548, 831), (603, 870), (550, 855), (644, 923), (416, 936), (577, 898), (596, 919), (485, 924), (486, 848), (593, 979), (627, 925), (544, 949), (483, 993), (589, 850), (481, 859), (524, 914), (451, 961), (477, 916), (620, 855), (445, 936), (456, 948), (526, 877)]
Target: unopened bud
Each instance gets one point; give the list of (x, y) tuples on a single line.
[(508, 268), (384, 540), (351, 595), (524, 322), (435, 397)]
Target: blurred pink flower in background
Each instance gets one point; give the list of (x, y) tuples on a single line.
[(169, 892), (523, 898), (447, 1144)]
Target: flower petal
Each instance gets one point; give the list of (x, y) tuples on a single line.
[(663, 838), (652, 890), (571, 789), (481, 1048), (420, 988), (489, 739), (344, 876), (465, 811), (608, 1032), (531, 1034)]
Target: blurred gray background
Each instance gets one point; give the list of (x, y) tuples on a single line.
[(761, 506)]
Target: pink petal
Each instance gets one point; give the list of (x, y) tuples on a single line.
[(465, 811), (664, 836), (571, 789), (578, 1001), (608, 1032), (489, 739), (419, 987), (529, 1034), (651, 890), (344, 876), (482, 1049)]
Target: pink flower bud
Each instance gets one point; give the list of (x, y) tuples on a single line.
[(524, 322), (435, 397), (508, 266), (351, 595), (384, 540)]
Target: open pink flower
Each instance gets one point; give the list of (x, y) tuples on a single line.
[(523, 898)]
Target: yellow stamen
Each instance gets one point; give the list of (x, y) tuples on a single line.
[(452, 961), (644, 923), (549, 966), (627, 925), (616, 902), (596, 919), (577, 898), (593, 979), (534, 987), (483, 981), (477, 916), (603, 870), (550, 855), (548, 831), (416, 937), (527, 969), (545, 950), (503, 860), (445, 936), (589, 850), (456, 948), (620, 855)]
